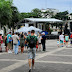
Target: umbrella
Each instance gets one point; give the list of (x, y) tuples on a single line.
[(44, 32)]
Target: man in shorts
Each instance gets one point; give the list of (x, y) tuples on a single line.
[(32, 42), (9, 44)]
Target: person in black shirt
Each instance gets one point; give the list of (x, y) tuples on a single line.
[(43, 41)]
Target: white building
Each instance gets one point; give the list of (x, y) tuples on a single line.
[(55, 11), (69, 17), (51, 11), (69, 21)]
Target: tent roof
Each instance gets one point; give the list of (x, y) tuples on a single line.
[(43, 20), (26, 29)]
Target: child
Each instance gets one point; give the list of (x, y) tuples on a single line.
[(66, 40), (58, 42)]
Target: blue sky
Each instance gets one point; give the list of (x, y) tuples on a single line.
[(28, 5)]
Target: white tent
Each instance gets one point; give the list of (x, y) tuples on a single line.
[(23, 29), (26, 29), (34, 28)]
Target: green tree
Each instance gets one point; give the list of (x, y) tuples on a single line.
[(5, 12), (61, 15), (70, 13), (25, 15), (15, 16), (36, 13)]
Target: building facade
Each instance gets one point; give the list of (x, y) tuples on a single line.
[(47, 13)]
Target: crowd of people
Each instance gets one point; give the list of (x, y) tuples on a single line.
[(15, 43), (64, 40)]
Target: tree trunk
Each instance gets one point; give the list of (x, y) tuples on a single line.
[(12, 29)]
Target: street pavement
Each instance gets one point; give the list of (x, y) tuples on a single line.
[(53, 60)]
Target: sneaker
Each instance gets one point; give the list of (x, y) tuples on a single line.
[(8, 51), (30, 70)]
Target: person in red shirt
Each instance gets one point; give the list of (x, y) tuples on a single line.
[(71, 38), (1, 41)]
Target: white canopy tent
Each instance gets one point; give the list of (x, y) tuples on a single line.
[(34, 28), (26, 29), (23, 29)]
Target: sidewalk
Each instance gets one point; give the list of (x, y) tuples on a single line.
[(53, 60)]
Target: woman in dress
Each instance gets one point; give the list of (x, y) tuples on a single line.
[(22, 40)]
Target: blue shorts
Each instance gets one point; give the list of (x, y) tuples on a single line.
[(61, 41), (31, 53), (18, 43)]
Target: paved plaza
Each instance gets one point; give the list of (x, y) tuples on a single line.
[(53, 60)]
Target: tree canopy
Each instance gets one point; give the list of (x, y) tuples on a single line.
[(5, 11), (61, 15), (35, 13)]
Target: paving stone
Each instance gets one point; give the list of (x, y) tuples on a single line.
[(6, 63), (45, 67), (57, 58), (64, 52)]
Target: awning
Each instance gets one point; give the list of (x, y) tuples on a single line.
[(43, 20)]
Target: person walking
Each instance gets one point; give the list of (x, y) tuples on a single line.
[(32, 42), (1, 42), (15, 43), (61, 39), (71, 39), (29, 33), (39, 40), (22, 41), (43, 41), (19, 48), (6, 49), (66, 40), (9, 42)]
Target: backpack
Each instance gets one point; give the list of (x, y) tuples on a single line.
[(32, 42), (10, 40)]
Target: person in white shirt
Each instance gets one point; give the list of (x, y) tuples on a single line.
[(39, 40), (15, 43), (61, 39)]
